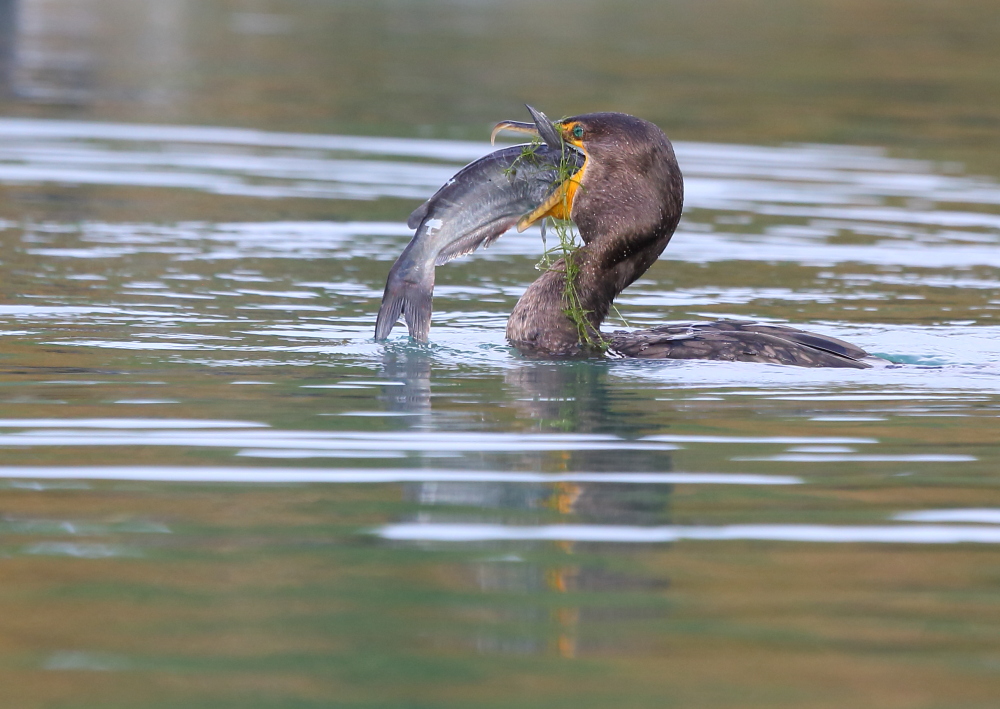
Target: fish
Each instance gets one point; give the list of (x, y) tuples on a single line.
[(472, 210)]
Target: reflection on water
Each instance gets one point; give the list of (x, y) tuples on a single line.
[(436, 484), (198, 420), (909, 534), (408, 389)]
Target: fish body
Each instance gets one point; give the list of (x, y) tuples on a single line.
[(474, 208)]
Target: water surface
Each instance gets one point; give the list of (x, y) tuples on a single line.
[(218, 491)]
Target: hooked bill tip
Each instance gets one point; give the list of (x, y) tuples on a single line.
[(514, 126)]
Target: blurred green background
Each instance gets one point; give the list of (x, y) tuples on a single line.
[(918, 76)]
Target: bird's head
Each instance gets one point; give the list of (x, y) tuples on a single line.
[(629, 179)]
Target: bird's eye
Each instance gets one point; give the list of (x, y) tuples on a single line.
[(578, 131)]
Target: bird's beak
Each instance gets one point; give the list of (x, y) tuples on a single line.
[(542, 127), (559, 205)]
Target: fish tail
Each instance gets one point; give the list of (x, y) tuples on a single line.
[(412, 300)]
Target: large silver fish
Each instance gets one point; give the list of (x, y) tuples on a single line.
[(474, 208)]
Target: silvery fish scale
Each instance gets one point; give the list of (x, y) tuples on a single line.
[(474, 208)]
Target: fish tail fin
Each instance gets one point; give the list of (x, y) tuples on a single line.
[(412, 300)]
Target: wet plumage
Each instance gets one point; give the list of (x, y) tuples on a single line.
[(738, 341)]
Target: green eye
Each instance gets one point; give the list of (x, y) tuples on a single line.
[(578, 131)]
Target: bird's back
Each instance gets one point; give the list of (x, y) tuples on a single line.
[(739, 341)]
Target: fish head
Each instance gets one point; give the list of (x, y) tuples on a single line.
[(564, 137)]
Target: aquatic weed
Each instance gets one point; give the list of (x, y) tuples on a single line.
[(527, 155), (566, 250)]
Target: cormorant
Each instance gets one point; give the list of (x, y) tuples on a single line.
[(624, 191)]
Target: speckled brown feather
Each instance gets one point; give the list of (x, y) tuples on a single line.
[(738, 341)]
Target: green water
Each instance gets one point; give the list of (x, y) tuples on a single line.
[(216, 490)]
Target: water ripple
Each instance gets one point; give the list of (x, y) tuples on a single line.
[(813, 533), (231, 474)]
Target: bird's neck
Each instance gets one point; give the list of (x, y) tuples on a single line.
[(546, 319), (626, 214)]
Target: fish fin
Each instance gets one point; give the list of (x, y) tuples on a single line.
[(409, 298), (418, 214), (481, 237), (388, 315)]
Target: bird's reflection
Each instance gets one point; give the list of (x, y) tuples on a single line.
[(561, 395), (570, 397)]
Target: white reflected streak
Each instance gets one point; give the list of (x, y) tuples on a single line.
[(915, 396), (85, 130), (788, 440), (184, 432), (78, 550), (300, 440), (839, 157), (85, 661), (896, 215), (846, 458), (306, 453), (320, 187), (129, 423), (902, 534), (52, 160), (372, 475), (53, 310), (700, 247), (984, 515)]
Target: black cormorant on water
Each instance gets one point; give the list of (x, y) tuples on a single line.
[(624, 191)]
